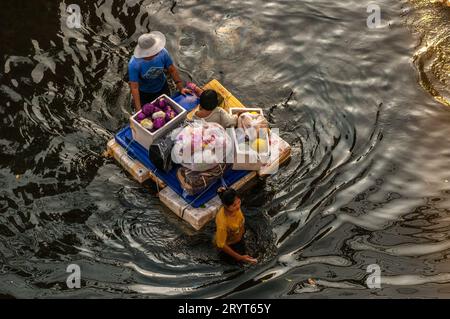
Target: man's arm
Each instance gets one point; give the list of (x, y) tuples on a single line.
[(134, 86), (176, 77)]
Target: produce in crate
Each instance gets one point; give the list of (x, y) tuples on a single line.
[(147, 123), (259, 145), (149, 108), (162, 104), (254, 124), (170, 114), (158, 123), (159, 114), (252, 131), (156, 114), (246, 144), (140, 117)]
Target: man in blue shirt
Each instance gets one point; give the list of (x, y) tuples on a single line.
[(146, 70)]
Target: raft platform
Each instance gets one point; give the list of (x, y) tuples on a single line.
[(196, 210)]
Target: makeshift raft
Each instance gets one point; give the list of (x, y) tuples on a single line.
[(196, 210)]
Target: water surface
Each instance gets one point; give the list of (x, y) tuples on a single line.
[(365, 111)]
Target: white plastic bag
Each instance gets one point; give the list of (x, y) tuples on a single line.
[(201, 145), (253, 124)]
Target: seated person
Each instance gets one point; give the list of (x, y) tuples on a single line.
[(230, 226), (210, 111)]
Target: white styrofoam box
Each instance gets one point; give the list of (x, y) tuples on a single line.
[(144, 136), (248, 159), (280, 151), (234, 110)]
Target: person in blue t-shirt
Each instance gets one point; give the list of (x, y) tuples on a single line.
[(146, 70)]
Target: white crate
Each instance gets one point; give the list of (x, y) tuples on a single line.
[(248, 159), (144, 136)]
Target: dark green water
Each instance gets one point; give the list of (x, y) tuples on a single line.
[(368, 182)]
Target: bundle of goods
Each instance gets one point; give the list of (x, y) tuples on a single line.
[(201, 145), (201, 148), (245, 143), (194, 182), (252, 132), (156, 114)]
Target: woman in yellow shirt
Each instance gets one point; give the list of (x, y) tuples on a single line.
[(230, 225)]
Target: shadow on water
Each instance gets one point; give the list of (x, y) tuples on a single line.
[(367, 182)]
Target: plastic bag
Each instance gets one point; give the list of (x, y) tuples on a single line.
[(253, 124), (252, 133), (201, 145), (160, 153)]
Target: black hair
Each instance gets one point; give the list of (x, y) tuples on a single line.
[(227, 195), (209, 100)]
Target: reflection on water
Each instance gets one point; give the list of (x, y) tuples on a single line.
[(431, 21), (368, 181)]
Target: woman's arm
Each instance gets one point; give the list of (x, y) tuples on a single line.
[(246, 258)]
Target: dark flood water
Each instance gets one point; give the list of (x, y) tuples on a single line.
[(368, 121)]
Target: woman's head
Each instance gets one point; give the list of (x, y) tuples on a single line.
[(209, 100), (229, 198)]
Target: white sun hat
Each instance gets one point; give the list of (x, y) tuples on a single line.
[(150, 44)]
